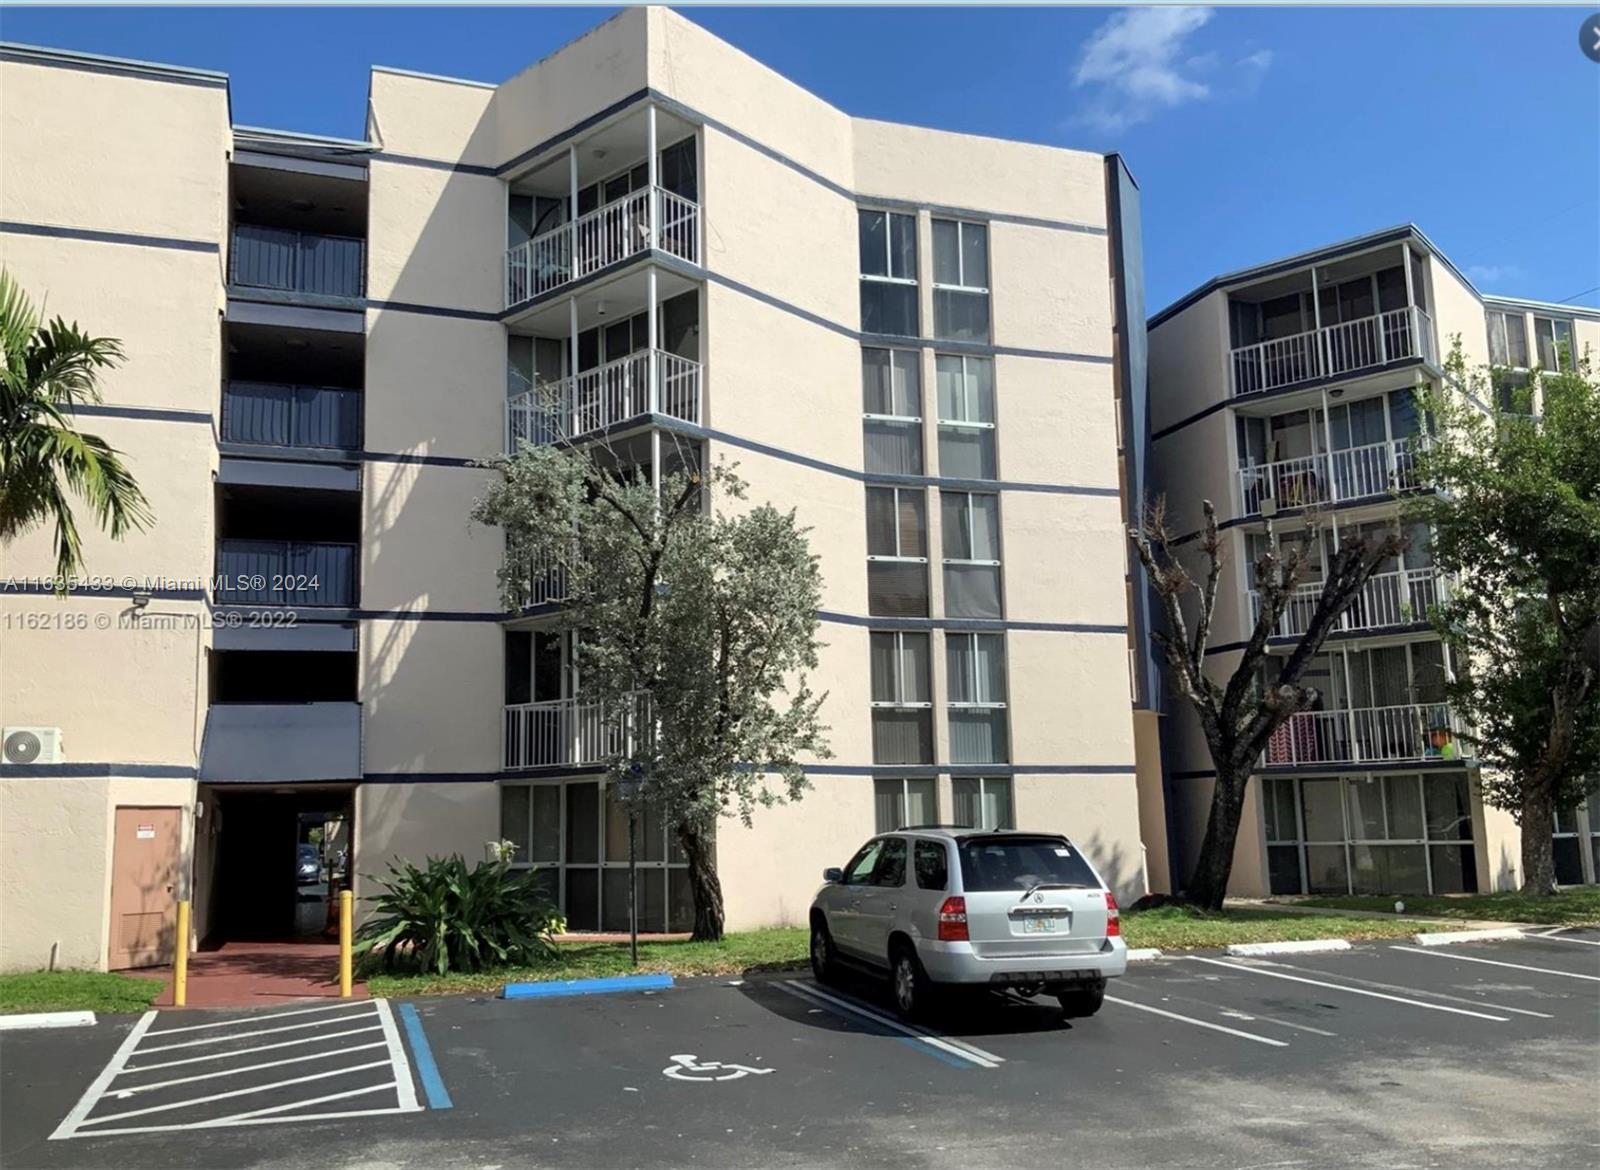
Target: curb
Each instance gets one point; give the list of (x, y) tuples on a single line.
[(1444, 938), (1308, 946), (586, 986), (1143, 954), (18, 1023)]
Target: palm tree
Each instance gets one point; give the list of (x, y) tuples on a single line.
[(50, 369)]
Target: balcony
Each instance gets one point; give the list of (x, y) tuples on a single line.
[(602, 397), (573, 732), (284, 415), (1427, 732), (606, 236), (1307, 481), (293, 261), (1399, 598), (1334, 351), (285, 572)]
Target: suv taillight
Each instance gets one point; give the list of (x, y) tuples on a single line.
[(953, 920), (1113, 917)]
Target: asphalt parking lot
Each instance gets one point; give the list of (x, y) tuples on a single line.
[(1483, 1054)]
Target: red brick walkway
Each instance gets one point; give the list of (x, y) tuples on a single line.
[(255, 974)]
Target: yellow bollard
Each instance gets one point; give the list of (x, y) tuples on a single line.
[(180, 961), (345, 909)]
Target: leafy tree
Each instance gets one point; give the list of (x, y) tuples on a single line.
[(1516, 522), (694, 627), (1239, 714), (51, 368)]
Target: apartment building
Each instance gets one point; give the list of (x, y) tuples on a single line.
[(1286, 393), (929, 344)]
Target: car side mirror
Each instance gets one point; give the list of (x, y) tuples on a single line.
[(833, 874)]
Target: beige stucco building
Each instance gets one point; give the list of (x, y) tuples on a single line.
[(930, 344), (1286, 390)]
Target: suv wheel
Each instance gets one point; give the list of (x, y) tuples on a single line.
[(909, 984), (1080, 1002), (823, 960)]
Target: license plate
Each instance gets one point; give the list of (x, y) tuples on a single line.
[(1039, 925)]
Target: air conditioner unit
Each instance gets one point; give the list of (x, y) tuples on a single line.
[(31, 745)]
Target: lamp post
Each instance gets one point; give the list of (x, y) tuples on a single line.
[(628, 790)]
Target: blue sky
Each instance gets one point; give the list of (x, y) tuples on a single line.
[(1254, 132)]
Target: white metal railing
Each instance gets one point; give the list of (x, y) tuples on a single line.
[(603, 237), (571, 731), (1426, 731), (1334, 350), (1354, 473), (547, 581), (602, 397), (1387, 599)]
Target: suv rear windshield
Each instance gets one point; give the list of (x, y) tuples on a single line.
[(1020, 863)]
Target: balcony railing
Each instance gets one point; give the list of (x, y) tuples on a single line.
[(547, 582), (1334, 350), (304, 262), (282, 415), (571, 731), (602, 397), (603, 237), (1354, 473), (285, 572), (1367, 735), (1387, 599)]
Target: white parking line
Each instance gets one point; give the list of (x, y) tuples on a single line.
[(258, 1116), (70, 1122), (246, 1091), (1498, 963), (960, 1049), (1238, 1015), (119, 1094), (1555, 937), (405, 1089), (1434, 1007), (1144, 1007), (1495, 1007), (139, 1068), (261, 1032), (270, 1016)]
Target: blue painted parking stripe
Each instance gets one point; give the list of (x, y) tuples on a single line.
[(586, 986), (432, 1084)]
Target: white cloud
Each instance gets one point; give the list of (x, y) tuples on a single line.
[(1486, 274), (1138, 63)]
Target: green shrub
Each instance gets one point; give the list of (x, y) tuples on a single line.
[(445, 917)]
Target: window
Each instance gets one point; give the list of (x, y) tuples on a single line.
[(966, 417), (892, 410), (1508, 339), (983, 802), (902, 699), (901, 803), (1394, 834), (976, 664), (891, 871), (575, 834), (932, 864), (970, 524), (859, 870), (897, 552), (888, 273), (1553, 337), (960, 280)]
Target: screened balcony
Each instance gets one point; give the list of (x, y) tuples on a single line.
[(291, 546), (571, 732), (628, 188), (1331, 321), (298, 233), (1424, 732), (1332, 477), (284, 415), (1398, 598)]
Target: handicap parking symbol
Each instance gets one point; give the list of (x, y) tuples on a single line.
[(687, 1067)]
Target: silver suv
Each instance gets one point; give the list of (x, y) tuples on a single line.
[(1004, 910)]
